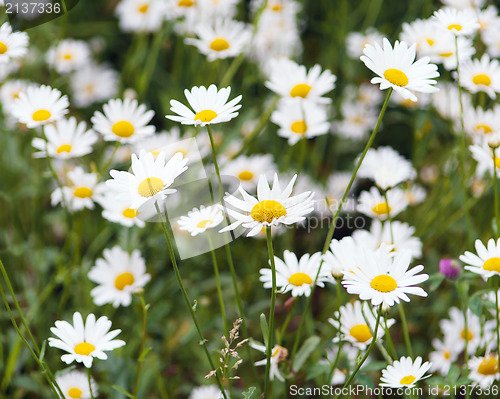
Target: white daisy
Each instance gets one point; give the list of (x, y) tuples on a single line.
[(486, 262), (484, 370), (82, 341), (404, 373), (483, 154), (354, 327), (445, 51), (464, 4), (396, 68), (373, 204), (68, 55), (443, 356), (291, 80), (67, 139), (343, 255), (459, 22), (12, 44), (481, 75), (220, 38), (272, 207), (446, 101), (141, 15), (118, 276), (356, 41), (385, 279), (296, 275), (10, 92), (278, 354), (480, 123), (93, 83), (492, 41), (206, 392), (75, 385), (423, 32), (123, 120), (40, 105), (415, 194), (248, 169), (357, 120), (121, 212), (488, 22), (209, 106), (149, 180), (200, 220)]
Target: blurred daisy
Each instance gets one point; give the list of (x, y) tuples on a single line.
[(445, 51), (353, 324), (75, 384), (423, 32), (141, 15), (149, 180), (464, 4), (93, 83), (479, 123), (404, 373), (336, 186), (39, 105), (443, 356), (492, 41), (459, 22), (484, 370), (481, 75), (209, 106), (10, 91), (12, 44), (123, 120), (118, 276), (483, 154), (248, 169), (82, 341), (272, 207), (120, 211), (296, 275), (206, 392), (343, 255), (291, 80), (396, 68), (486, 262), (384, 279), (278, 354), (373, 204), (200, 220), (415, 194), (67, 139), (357, 120), (299, 120), (446, 101), (221, 38), (356, 41), (68, 55)]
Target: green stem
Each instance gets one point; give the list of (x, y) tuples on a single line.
[(406, 333), (287, 322), (219, 289), (497, 314), (390, 343), (106, 165), (140, 360), (90, 384), (271, 312), (339, 333)]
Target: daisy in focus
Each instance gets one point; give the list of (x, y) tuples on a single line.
[(210, 106), (272, 207), (296, 275), (75, 385), (12, 44), (84, 342), (404, 373), (68, 55), (398, 69), (486, 262), (200, 220)]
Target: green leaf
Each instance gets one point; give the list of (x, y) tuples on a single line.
[(365, 379), (435, 281), (453, 375), (121, 390), (476, 305), (264, 327), (144, 353), (42, 351), (309, 345), (249, 394)]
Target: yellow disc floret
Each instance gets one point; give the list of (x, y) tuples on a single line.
[(299, 279), (205, 116), (219, 44), (130, 213), (246, 175), (381, 209), (489, 366), (3, 48), (150, 186), (75, 393), (267, 211), (407, 380), (123, 129), (361, 333), (64, 148), (492, 264), (83, 192), (299, 127), (481, 79), (124, 279), (41, 115), (396, 77), (84, 349), (384, 283), (300, 90)]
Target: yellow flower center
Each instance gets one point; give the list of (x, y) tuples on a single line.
[(130, 213), (64, 148), (457, 27), (267, 211), (204, 223), (396, 77), (186, 3), (124, 279), (205, 116), (299, 279), (300, 90), (41, 115), (485, 128), (276, 7), (150, 186), (446, 354), (75, 393), (381, 209), (481, 79), (430, 42), (219, 44), (82, 192), (246, 175), (489, 366), (3, 48), (123, 129), (469, 334), (384, 283), (84, 349), (299, 127), (67, 56), (492, 264), (143, 9), (445, 55), (361, 333), (407, 380)]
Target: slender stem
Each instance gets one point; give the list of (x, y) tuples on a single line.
[(203, 341), (389, 215), (287, 322), (105, 167), (144, 308), (90, 384), (498, 315), (339, 333), (335, 217), (495, 193), (216, 165), (390, 343), (219, 289), (271, 312), (406, 333)]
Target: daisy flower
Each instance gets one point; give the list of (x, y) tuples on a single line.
[(353, 325), (423, 32), (121, 212), (82, 341), (385, 279), (118, 276), (123, 120), (300, 119), (75, 384), (206, 392), (446, 101), (210, 106), (141, 15), (492, 41), (68, 55), (483, 154), (291, 80), (486, 262), (481, 75), (67, 139), (356, 41), (464, 4), (272, 207), (40, 105), (12, 44), (221, 38), (10, 91), (357, 120), (373, 204), (404, 373), (149, 180), (342, 256), (248, 169), (480, 123), (278, 354), (445, 51), (396, 68), (415, 194), (444, 355), (459, 22), (200, 220), (484, 370), (93, 83), (296, 275)]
